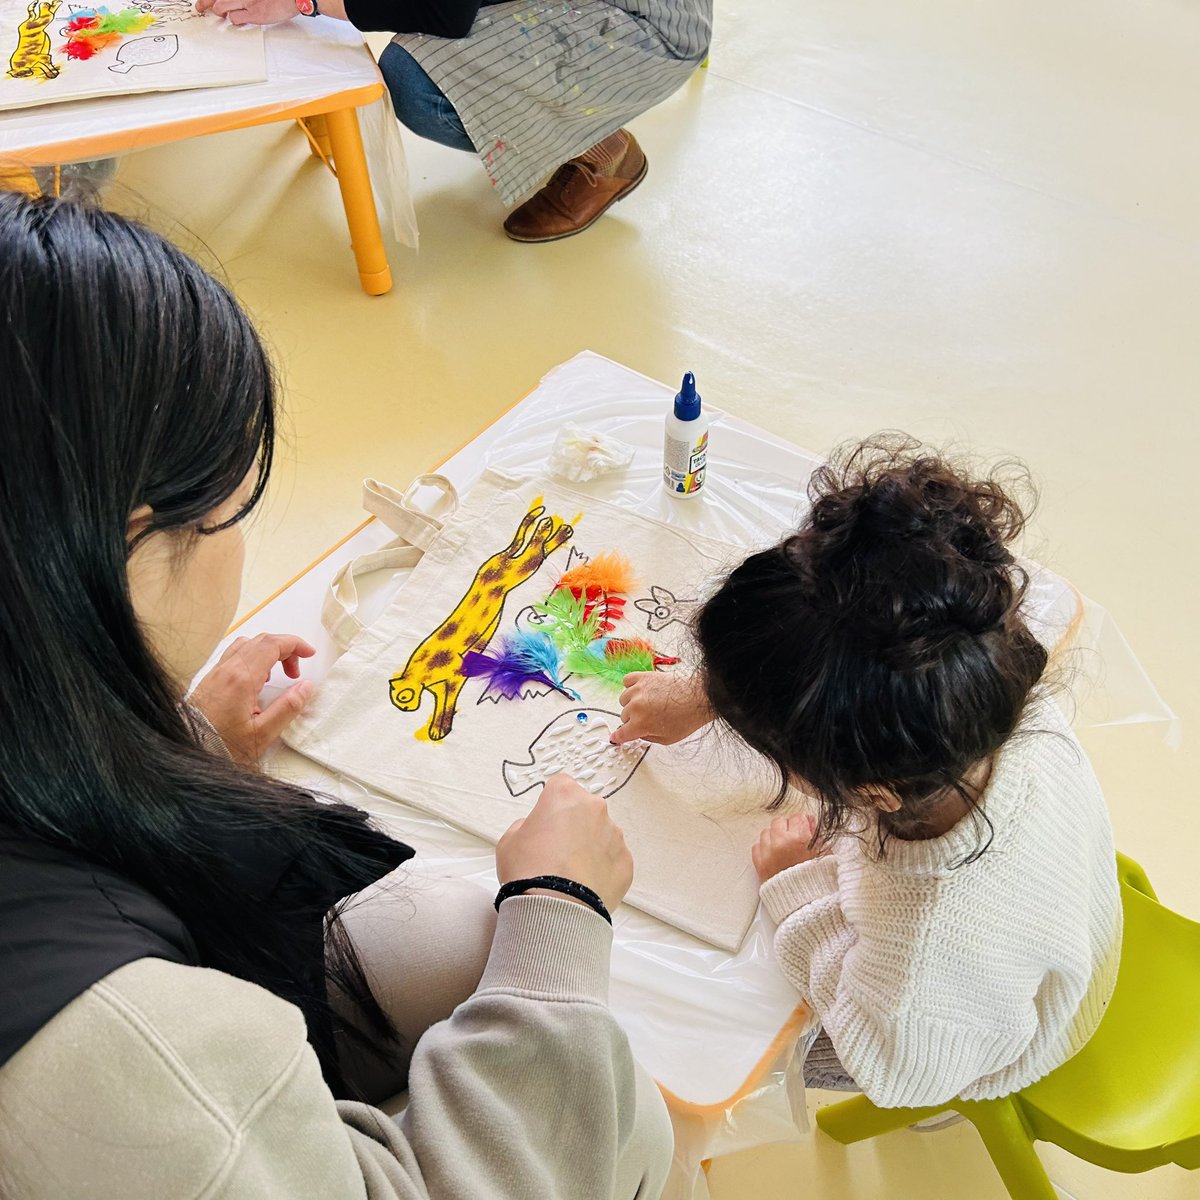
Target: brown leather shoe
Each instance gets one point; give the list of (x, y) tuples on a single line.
[(580, 191)]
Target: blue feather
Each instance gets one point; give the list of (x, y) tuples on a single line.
[(523, 656)]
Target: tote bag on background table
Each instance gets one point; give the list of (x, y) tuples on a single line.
[(397, 714)]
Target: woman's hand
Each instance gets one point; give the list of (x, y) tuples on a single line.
[(228, 695), (786, 842), (569, 833), (661, 708), (250, 12)]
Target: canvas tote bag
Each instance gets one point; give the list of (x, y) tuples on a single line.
[(397, 714)]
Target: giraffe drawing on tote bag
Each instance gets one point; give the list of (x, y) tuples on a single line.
[(435, 666)]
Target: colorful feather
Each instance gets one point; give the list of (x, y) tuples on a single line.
[(508, 682), (101, 20), (610, 573), (609, 660), (91, 30), (82, 48), (609, 609), (640, 645), (524, 657), (572, 625)]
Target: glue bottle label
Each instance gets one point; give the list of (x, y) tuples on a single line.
[(684, 463)]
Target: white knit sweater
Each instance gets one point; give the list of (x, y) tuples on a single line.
[(934, 979)]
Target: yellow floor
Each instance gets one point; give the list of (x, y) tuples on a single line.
[(974, 222)]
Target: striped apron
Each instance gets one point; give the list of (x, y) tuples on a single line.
[(538, 83)]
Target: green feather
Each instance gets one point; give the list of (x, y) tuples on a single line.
[(595, 663), (128, 20), (569, 628)]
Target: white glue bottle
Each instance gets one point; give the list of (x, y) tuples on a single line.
[(685, 446)]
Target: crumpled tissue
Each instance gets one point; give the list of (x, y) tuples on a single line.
[(582, 454)]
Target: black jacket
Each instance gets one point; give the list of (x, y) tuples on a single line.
[(67, 922)]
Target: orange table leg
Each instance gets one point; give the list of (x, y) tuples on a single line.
[(320, 134), (358, 201), (18, 179)]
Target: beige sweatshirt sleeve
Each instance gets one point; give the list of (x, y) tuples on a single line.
[(164, 1080), (205, 731)]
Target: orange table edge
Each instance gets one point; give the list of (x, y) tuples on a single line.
[(345, 143)]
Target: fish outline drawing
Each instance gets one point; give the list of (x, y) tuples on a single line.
[(148, 51), (662, 607), (576, 743)]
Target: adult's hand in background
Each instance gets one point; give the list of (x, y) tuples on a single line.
[(250, 12)]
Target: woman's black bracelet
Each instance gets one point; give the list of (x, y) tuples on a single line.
[(554, 883)]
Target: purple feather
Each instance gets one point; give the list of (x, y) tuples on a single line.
[(522, 658), (506, 679)]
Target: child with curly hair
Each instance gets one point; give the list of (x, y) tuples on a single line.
[(951, 911)]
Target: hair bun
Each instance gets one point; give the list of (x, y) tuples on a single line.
[(919, 635), (914, 546), (920, 653)]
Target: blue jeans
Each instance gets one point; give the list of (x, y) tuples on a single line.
[(419, 103)]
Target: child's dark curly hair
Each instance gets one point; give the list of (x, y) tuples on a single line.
[(881, 647)]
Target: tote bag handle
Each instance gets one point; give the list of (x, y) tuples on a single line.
[(415, 530)]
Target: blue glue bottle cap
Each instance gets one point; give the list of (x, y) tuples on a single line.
[(687, 399)]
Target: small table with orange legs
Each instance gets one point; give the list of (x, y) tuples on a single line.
[(319, 74)]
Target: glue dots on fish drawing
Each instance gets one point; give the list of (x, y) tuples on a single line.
[(685, 446)]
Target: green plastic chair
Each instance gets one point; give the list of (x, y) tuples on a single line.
[(1128, 1101)]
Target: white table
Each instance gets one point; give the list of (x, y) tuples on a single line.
[(717, 1030), (317, 70)]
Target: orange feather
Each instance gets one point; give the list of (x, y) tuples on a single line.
[(609, 572)]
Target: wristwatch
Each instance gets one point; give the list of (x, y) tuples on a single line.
[(307, 8)]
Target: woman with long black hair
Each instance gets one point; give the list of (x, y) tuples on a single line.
[(207, 974)]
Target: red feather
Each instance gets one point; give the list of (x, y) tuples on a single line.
[(620, 646)]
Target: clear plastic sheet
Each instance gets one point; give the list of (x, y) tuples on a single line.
[(724, 1035), (773, 1110), (755, 491), (721, 1033), (306, 60)]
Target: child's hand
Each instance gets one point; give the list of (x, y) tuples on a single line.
[(661, 708), (786, 842)]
